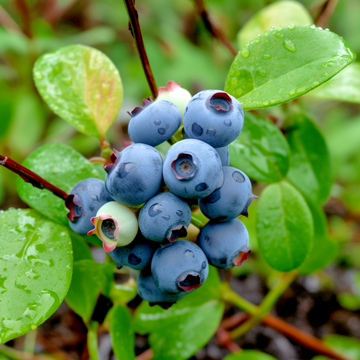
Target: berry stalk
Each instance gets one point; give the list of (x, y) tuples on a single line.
[(30, 177)]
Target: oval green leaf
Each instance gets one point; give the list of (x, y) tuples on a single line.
[(310, 169), (344, 345), (122, 333), (261, 150), (36, 268), (81, 85), (89, 279), (285, 63), (249, 355), (63, 167), (345, 86), (324, 249), (280, 13), (284, 226)]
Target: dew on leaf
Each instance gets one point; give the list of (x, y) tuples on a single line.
[(245, 53), (289, 45)]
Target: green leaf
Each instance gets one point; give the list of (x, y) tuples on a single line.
[(61, 166), (284, 226), (81, 85), (324, 249), (349, 301), (310, 169), (36, 268), (249, 355), (285, 63), (122, 333), (89, 279), (281, 13), (123, 293), (81, 250), (344, 345), (92, 341), (344, 87), (261, 150)]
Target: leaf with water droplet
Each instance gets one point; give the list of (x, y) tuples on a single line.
[(82, 86), (122, 333), (281, 13), (345, 86), (261, 150), (299, 62), (63, 167), (284, 226), (30, 288), (310, 168)]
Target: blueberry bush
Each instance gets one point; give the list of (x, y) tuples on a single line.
[(143, 241)]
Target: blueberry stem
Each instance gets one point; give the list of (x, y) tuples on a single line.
[(29, 176), (136, 33)]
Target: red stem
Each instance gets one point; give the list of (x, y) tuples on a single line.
[(31, 177)]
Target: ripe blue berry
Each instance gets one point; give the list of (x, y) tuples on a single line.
[(83, 201), (192, 169), (231, 199), (148, 291), (164, 216), (213, 116), (135, 174), (137, 255), (225, 244), (179, 267), (154, 122), (224, 155)]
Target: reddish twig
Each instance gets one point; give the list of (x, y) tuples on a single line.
[(326, 12), (29, 176), (234, 320), (24, 13), (8, 22), (212, 28), (146, 355), (136, 33)]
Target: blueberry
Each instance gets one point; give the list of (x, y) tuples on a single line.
[(164, 216), (192, 169), (115, 225), (83, 201), (135, 174), (154, 122), (179, 266), (148, 291), (215, 117), (137, 255), (224, 155), (225, 244), (231, 199)]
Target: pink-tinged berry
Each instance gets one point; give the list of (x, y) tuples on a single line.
[(174, 93), (115, 225)]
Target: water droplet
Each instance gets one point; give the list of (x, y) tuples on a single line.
[(292, 92), (33, 327), (315, 83), (280, 35), (320, 28), (238, 92), (272, 28), (257, 41), (289, 45), (301, 90), (245, 53), (327, 29), (157, 122), (312, 27), (266, 34), (38, 76), (272, 101), (291, 27), (266, 57), (265, 103), (234, 81)]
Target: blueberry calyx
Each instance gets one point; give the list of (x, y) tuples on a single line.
[(220, 101), (114, 156), (170, 86), (242, 255), (73, 207), (189, 281), (146, 102), (184, 167), (110, 225), (177, 232)]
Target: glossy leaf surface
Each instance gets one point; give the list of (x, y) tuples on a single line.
[(36, 268), (281, 13), (61, 166), (122, 333), (310, 169), (285, 63), (81, 85), (261, 150), (284, 226), (345, 86)]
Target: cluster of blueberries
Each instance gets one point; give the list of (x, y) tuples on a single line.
[(195, 172)]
